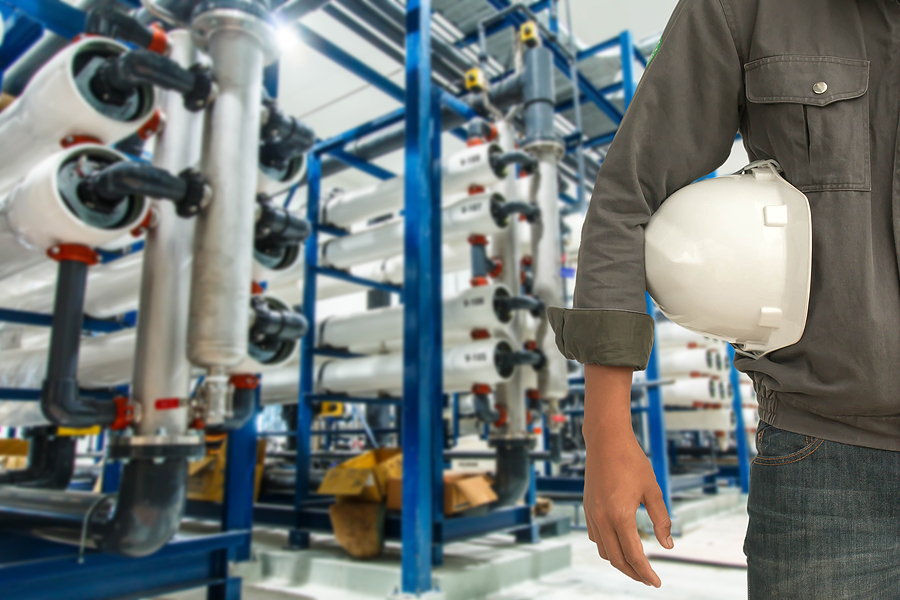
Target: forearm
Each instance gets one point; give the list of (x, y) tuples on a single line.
[(607, 404)]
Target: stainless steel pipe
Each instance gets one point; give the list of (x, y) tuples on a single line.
[(161, 367)]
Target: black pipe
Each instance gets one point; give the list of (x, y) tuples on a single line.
[(60, 400), (51, 461), (513, 471), (502, 211), (137, 522), (506, 304), (283, 138), (103, 190), (111, 22), (277, 226), (117, 79), (526, 162)]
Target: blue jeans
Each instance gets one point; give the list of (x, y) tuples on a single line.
[(824, 520)]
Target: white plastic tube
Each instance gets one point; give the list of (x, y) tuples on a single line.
[(35, 217), (695, 362), (716, 419), (55, 106), (471, 310), (671, 336), (464, 366), (472, 215), (692, 391), (467, 168)]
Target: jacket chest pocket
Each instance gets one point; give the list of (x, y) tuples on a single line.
[(811, 114)]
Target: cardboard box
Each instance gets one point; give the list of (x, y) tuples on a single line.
[(363, 478), (462, 491), (13, 454), (206, 477), (358, 527)]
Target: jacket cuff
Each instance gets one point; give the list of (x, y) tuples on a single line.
[(614, 338)]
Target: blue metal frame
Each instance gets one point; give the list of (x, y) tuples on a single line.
[(740, 428)]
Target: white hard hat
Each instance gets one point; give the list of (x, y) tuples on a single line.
[(731, 258)]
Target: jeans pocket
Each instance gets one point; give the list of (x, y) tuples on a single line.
[(776, 446)]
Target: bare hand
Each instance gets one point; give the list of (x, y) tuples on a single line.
[(617, 480), (618, 477)]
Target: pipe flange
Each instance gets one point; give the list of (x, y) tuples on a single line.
[(513, 440), (539, 146), (206, 23), (157, 446)]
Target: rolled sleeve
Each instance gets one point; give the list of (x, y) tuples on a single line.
[(615, 338), (679, 127)]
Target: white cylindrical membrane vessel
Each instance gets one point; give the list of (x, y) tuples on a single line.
[(553, 380), (44, 209), (161, 367), (223, 240), (58, 104), (693, 362), (473, 309), (467, 168), (464, 366), (715, 419), (670, 335), (459, 221), (692, 391), (112, 288)]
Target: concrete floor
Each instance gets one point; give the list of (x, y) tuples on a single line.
[(493, 568), (592, 578)]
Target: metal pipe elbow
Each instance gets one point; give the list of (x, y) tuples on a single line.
[(147, 511), (513, 472)]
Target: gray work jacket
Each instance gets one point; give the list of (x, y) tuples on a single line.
[(725, 66)]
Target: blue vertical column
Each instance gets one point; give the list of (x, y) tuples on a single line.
[(240, 476), (740, 428), (659, 456), (435, 306), (422, 347), (299, 538)]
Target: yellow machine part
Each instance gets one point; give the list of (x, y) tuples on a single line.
[(332, 409), (70, 432), (475, 80), (528, 33)]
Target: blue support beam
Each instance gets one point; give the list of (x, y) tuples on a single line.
[(240, 477), (56, 16), (659, 456), (298, 537), (422, 333), (21, 33), (740, 428)]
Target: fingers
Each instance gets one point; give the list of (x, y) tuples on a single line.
[(633, 551), (594, 536), (662, 524), (615, 552)]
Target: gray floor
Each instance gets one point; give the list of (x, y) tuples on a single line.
[(719, 538)]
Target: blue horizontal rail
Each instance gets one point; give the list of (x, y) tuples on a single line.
[(56, 16), (361, 164), (343, 276), (377, 124), (24, 317)]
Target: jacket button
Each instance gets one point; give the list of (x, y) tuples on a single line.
[(820, 87)]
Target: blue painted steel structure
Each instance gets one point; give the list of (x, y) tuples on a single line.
[(36, 569)]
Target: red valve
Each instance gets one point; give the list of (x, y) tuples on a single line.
[(503, 416), (480, 334), (478, 281), (533, 394), (558, 418), (474, 141), (152, 126), (477, 239), (167, 403), (498, 267), (481, 389), (124, 414), (144, 226), (160, 41), (75, 140), (75, 252), (531, 345), (256, 288), (244, 382), (476, 189)]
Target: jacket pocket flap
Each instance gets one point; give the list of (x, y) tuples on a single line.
[(812, 80)]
